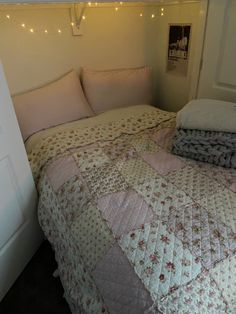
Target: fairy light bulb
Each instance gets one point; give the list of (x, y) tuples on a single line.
[(46, 31), (116, 8), (59, 31), (152, 16), (162, 9), (72, 24), (31, 30), (96, 3), (141, 14), (89, 3), (8, 16), (83, 17), (121, 3), (23, 25), (162, 13)]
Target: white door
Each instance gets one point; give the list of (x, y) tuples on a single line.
[(20, 234), (218, 75)]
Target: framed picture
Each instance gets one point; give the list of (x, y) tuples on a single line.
[(178, 48)]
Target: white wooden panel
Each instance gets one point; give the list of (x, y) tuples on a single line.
[(11, 216), (218, 75), (226, 64), (20, 234)]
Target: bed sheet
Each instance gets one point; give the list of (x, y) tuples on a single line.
[(136, 229)]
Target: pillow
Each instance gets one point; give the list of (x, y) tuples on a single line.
[(56, 103), (117, 88)]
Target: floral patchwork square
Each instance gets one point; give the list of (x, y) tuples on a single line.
[(89, 157), (222, 204), (119, 150), (104, 180), (224, 275), (195, 184), (159, 258), (162, 196), (208, 239), (73, 197), (144, 144), (136, 171), (199, 296)]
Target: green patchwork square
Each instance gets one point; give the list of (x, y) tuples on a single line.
[(193, 183), (92, 235), (225, 276), (143, 144), (136, 171), (73, 197)]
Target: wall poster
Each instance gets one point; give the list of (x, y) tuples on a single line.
[(178, 48)]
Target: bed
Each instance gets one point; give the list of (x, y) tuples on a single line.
[(134, 228)]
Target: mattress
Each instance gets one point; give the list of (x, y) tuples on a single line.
[(135, 229)]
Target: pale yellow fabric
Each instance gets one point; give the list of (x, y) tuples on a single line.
[(101, 119)]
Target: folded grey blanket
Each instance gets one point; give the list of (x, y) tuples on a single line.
[(218, 148)]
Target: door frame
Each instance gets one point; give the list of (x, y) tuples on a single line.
[(198, 56)]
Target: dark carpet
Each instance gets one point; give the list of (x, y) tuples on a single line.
[(36, 291)]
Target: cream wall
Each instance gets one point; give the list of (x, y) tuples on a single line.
[(172, 91), (110, 40)]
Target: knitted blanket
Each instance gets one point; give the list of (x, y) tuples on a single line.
[(218, 148)]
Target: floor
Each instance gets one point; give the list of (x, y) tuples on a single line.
[(36, 291)]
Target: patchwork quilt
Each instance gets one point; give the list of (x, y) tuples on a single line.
[(136, 229)]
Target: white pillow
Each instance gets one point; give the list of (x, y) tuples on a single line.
[(56, 103), (117, 88)]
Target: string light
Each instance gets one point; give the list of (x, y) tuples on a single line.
[(59, 30)]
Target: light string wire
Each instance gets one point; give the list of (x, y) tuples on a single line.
[(9, 18)]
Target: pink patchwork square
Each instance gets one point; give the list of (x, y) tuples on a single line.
[(124, 211), (61, 170), (232, 187), (163, 137), (163, 162)]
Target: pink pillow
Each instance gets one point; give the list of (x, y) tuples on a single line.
[(117, 88), (56, 103)]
